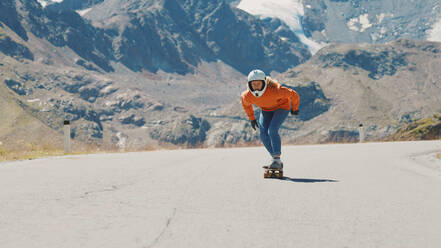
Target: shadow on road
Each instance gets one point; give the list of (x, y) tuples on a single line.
[(309, 180)]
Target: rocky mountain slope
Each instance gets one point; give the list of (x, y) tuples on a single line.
[(423, 129), (318, 22), (146, 63), (69, 4), (381, 86), (19, 127), (370, 21), (177, 36)]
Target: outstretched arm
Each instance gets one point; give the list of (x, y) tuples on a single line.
[(248, 107)]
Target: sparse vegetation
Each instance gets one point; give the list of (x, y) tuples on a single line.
[(28, 151), (424, 129), (439, 155)]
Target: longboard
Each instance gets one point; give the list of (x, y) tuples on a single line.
[(272, 173)]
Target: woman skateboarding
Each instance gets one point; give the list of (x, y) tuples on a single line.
[(276, 102)]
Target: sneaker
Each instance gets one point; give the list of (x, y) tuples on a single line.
[(276, 164), (269, 164)]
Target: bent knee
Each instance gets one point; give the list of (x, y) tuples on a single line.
[(273, 132)]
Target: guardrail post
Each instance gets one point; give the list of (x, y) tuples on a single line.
[(67, 148), (361, 132)]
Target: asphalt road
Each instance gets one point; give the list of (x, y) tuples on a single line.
[(359, 195)]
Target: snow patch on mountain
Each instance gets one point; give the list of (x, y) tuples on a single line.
[(83, 11), (45, 3), (435, 32), (289, 11), (361, 23), (381, 17)]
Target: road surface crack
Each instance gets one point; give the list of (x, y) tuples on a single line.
[(114, 188), (169, 220)]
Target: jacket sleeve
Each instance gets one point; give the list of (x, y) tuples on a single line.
[(293, 97), (248, 107)]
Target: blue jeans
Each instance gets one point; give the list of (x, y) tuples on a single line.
[(269, 123)]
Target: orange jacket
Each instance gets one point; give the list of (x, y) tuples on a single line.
[(275, 97)]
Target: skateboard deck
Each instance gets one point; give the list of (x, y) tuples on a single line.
[(272, 173)]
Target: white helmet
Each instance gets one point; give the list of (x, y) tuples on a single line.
[(257, 75)]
